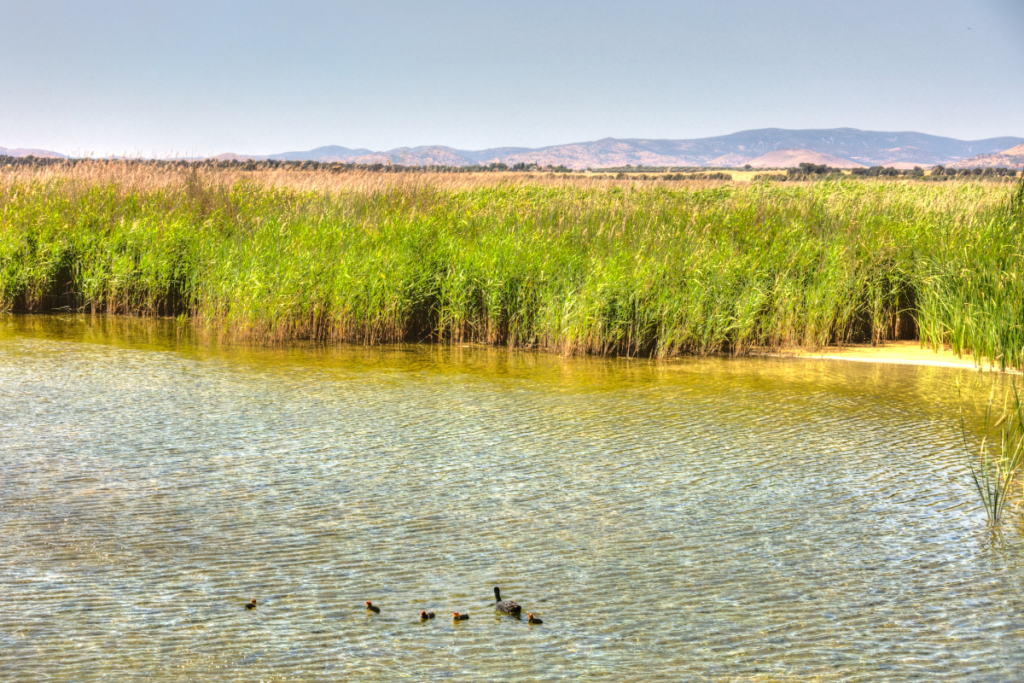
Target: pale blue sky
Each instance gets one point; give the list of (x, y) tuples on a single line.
[(156, 78)]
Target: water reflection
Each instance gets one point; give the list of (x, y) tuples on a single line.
[(701, 519)]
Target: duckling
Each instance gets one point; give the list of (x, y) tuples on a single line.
[(505, 606), (370, 607), (533, 620), (251, 605), (459, 617), (424, 615)]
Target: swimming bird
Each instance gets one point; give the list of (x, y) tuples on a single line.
[(424, 615), (505, 606), (371, 608), (251, 605), (533, 620), (459, 617)]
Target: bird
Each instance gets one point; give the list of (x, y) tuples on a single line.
[(371, 608), (459, 617), (251, 605), (505, 606), (533, 620), (424, 615)]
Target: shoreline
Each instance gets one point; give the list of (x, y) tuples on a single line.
[(573, 270), (908, 352), (892, 353)]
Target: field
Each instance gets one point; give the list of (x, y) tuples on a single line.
[(564, 263)]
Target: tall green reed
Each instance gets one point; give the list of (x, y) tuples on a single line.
[(1001, 458), (574, 269)]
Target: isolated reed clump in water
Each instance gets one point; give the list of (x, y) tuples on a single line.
[(589, 267), (1000, 455)]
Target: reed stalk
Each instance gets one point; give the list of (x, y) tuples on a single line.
[(561, 263), (1000, 459)]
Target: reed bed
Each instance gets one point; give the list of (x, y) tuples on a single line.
[(567, 263)]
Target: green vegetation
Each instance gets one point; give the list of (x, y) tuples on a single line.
[(879, 171), (809, 171), (1000, 459), (630, 168), (278, 164), (698, 176), (940, 173), (574, 268)]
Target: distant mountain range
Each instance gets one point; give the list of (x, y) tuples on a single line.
[(867, 148), (859, 147), (5, 152)]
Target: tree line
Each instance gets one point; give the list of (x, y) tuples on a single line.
[(31, 161), (804, 171)]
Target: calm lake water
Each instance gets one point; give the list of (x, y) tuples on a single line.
[(702, 519)]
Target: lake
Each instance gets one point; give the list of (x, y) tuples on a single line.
[(718, 519)]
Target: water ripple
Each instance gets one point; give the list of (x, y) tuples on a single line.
[(697, 520)]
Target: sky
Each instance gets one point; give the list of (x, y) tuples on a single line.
[(201, 78)]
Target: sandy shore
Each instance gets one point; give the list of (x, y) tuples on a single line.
[(896, 353)]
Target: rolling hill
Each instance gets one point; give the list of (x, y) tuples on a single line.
[(791, 158), (5, 152), (867, 148), (1009, 158)]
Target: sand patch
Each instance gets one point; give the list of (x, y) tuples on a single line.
[(895, 353)]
